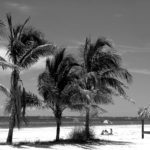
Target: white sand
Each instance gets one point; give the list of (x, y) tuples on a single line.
[(123, 133)]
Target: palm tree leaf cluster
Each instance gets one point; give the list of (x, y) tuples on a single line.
[(57, 75), (107, 65), (144, 113), (26, 45)]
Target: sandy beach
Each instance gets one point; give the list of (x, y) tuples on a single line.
[(125, 137)]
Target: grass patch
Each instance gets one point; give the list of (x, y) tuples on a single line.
[(79, 134)]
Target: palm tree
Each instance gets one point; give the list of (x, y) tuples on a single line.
[(100, 77), (25, 47), (53, 81)]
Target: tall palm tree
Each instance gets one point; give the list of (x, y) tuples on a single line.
[(25, 47), (53, 81), (100, 77)]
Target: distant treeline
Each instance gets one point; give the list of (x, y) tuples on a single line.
[(45, 121)]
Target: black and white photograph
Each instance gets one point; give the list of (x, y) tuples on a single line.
[(74, 74)]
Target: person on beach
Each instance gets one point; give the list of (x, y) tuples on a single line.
[(105, 132)]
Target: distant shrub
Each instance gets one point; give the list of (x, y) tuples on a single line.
[(79, 134)]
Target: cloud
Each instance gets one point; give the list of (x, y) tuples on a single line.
[(140, 71), (40, 64), (3, 42), (76, 42), (72, 47), (3, 51), (18, 6)]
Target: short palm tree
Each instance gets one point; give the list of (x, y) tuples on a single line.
[(100, 77), (53, 81), (25, 47)]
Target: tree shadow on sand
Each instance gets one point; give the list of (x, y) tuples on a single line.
[(64, 142)]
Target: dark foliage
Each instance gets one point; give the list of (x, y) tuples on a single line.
[(79, 134)]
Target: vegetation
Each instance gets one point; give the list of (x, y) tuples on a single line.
[(53, 83), (26, 45), (101, 76), (64, 83), (144, 113), (79, 134)]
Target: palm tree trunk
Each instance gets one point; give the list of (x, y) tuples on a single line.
[(14, 84), (58, 115), (11, 126), (87, 122), (58, 122)]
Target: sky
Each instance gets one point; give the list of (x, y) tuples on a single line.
[(68, 22)]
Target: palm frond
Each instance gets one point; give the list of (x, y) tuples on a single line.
[(103, 97), (32, 100), (22, 27), (101, 42), (118, 73), (59, 56), (115, 84), (10, 26), (105, 60), (1, 23), (95, 48), (32, 37), (4, 90), (50, 67), (32, 56), (2, 27), (8, 106), (95, 106), (85, 50), (18, 49), (16, 30), (46, 87), (2, 59), (5, 64), (64, 71), (77, 107), (67, 62)]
